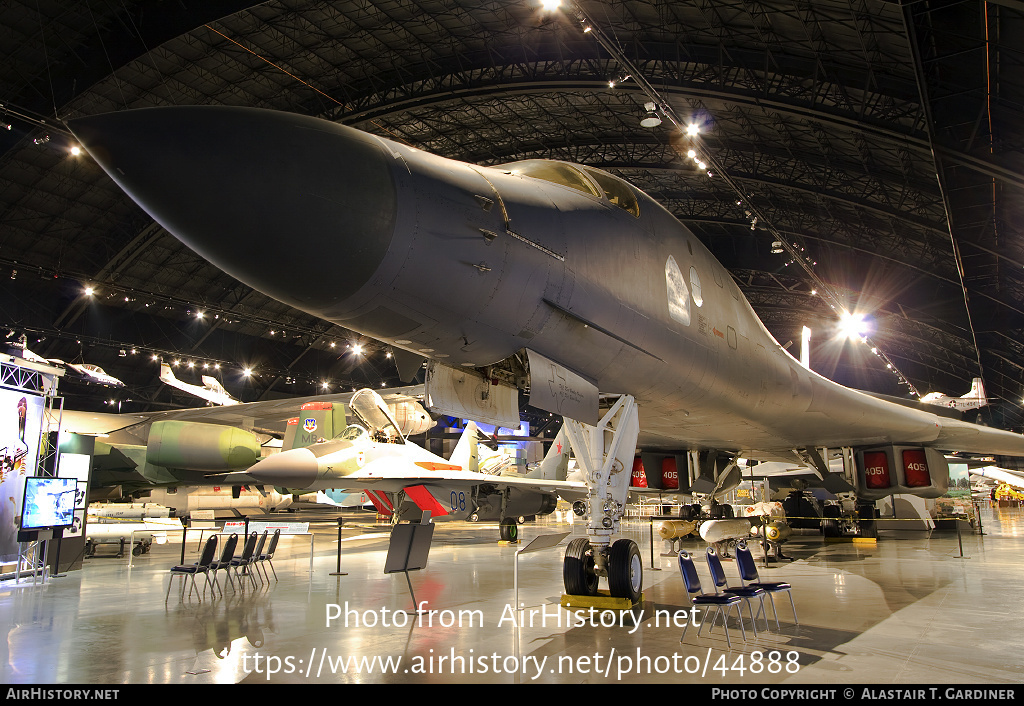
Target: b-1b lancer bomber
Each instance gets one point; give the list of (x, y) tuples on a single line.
[(553, 279)]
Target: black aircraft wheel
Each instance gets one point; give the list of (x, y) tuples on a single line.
[(625, 570), (579, 508), (137, 550), (866, 520), (509, 530), (578, 568), (830, 527)]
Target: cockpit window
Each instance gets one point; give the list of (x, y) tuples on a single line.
[(555, 172), (353, 432), (617, 191)]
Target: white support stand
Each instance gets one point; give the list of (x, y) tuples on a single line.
[(605, 453)]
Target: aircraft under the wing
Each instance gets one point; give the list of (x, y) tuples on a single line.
[(545, 277), (402, 479), (134, 453), (211, 390)]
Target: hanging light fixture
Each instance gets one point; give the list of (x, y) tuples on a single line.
[(652, 119)]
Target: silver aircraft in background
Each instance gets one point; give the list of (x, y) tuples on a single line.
[(556, 280)]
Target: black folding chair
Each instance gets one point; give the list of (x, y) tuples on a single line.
[(226, 555), (200, 567), (268, 555), (240, 563)]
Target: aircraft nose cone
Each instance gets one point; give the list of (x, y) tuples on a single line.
[(298, 208), (295, 468)]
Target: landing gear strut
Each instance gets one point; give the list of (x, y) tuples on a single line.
[(605, 453)]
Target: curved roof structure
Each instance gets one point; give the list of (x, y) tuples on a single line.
[(863, 154)]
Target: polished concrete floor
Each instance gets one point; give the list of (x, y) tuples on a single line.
[(908, 610)]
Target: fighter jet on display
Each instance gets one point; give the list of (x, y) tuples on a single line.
[(972, 400), (211, 391), (545, 278), (135, 453), (404, 479)]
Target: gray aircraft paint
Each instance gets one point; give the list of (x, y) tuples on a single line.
[(469, 265)]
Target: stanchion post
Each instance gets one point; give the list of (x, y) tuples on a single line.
[(650, 523), (339, 572)]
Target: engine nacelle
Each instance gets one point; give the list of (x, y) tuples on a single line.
[(201, 447), (908, 470)]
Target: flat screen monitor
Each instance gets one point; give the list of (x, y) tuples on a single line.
[(49, 502)]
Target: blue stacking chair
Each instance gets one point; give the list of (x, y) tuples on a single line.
[(747, 593), (748, 576), (721, 602)]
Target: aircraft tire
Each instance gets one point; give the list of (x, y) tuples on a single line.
[(830, 527), (625, 570), (578, 568), (509, 530)]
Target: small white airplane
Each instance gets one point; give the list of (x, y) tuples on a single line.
[(93, 373), (972, 400), (211, 390)]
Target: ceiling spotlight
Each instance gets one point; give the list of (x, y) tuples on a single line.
[(247, 372), (692, 129), (549, 5), (357, 349), (692, 154), (89, 291), (652, 119), (75, 150), (852, 325)]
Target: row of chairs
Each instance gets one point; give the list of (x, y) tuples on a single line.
[(727, 597), (249, 563)]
